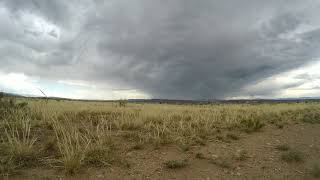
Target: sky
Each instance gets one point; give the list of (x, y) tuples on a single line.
[(173, 49)]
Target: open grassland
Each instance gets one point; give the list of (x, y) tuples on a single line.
[(49, 139)]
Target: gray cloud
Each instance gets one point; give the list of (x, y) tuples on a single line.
[(168, 49)]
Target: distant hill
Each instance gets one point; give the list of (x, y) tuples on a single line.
[(178, 101)]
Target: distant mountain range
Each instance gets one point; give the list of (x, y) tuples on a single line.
[(180, 101)]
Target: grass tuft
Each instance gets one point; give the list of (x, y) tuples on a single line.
[(283, 147), (224, 163), (292, 156), (316, 170), (251, 125), (20, 142), (72, 146), (200, 156), (184, 147), (176, 164)]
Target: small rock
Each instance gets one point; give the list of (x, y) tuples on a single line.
[(311, 146), (214, 156), (100, 176)]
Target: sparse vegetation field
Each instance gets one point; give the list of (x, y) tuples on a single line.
[(50, 139)]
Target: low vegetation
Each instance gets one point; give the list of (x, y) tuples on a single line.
[(71, 135), (221, 162), (292, 156), (283, 147), (316, 170), (176, 164), (241, 155)]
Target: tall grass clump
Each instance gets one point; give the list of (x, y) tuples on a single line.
[(72, 145), (16, 135), (20, 142)]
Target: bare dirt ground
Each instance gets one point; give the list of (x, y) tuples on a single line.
[(261, 160)]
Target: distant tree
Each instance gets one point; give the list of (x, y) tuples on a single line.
[(1, 95)]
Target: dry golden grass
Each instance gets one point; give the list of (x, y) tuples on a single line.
[(87, 133)]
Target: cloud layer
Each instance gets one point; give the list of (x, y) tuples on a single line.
[(166, 49)]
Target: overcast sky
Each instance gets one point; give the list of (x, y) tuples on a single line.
[(177, 49)]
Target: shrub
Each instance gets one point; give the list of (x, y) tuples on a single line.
[(176, 164), (283, 147), (292, 156), (200, 156), (251, 125), (316, 170)]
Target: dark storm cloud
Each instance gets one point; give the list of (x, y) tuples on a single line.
[(168, 49)]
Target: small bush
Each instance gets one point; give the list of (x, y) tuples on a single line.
[(292, 156), (200, 156), (316, 170), (312, 117), (251, 125), (176, 164), (22, 105), (283, 147)]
